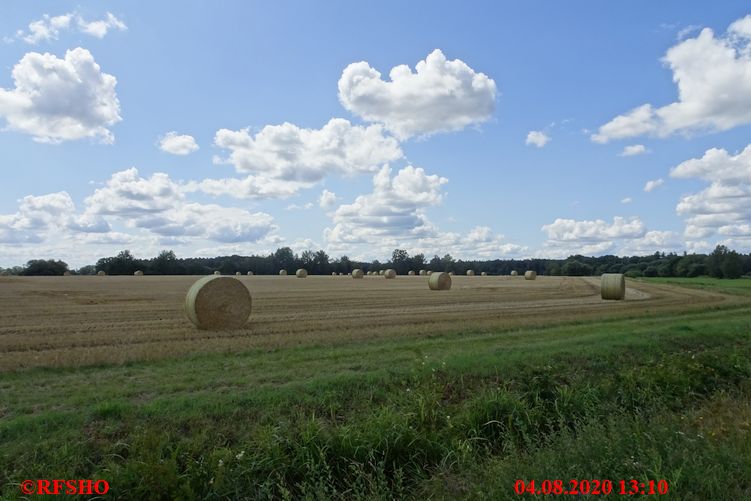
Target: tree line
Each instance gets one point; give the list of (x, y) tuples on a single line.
[(721, 263)]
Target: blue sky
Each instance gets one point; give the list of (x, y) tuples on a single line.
[(207, 128)]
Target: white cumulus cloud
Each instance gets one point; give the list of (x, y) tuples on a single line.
[(99, 28), (652, 184), (49, 27), (158, 204), (440, 95), (327, 199), (724, 206), (394, 211), (634, 149), (537, 138), (713, 76), (58, 100), (178, 144), (651, 242), (293, 157), (598, 230), (249, 187)]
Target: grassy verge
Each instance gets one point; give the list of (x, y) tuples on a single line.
[(444, 417), (741, 286)]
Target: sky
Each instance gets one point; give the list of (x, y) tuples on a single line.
[(480, 129)]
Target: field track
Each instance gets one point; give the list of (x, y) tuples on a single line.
[(84, 320)]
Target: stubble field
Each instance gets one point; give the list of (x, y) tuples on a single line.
[(75, 321), (376, 389)]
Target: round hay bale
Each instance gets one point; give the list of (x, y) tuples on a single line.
[(514, 273), (215, 303), (333, 273), (217, 273), (138, 273), (283, 272), (301, 273), (237, 273), (430, 272), (470, 273), (357, 273), (390, 273), (484, 274), (439, 282), (423, 273), (613, 286), (250, 273), (100, 273), (411, 273), (67, 273), (530, 275), (341, 274), (382, 272)]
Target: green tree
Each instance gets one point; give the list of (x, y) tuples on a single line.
[(39, 267), (447, 262), (575, 268), (715, 260), (345, 264), (732, 266), (400, 260), (284, 259), (307, 259), (165, 263), (321, 263), (89, 269), (417, 262), (435, 264)]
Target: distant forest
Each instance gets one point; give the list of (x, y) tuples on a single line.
[(721, 263)]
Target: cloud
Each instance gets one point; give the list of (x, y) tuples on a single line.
[(589, 237), (713, 76), (440, 96), (479, 242), (177, 144), (651, 242), (327, 199), (100, 27), (686, 31), (393, 215), (307, 206), (250, 187), (48, 217), (295, 158), (158, 204), (57, 100), (634, 149), (724, 206), (537, 138), (626, 200), (394, 211), (651, 185), (49, 27), (596, 231)]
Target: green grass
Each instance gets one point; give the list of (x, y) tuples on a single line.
[(740, 286), (445, 417)]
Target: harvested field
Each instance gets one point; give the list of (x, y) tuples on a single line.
[(75, 321)]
